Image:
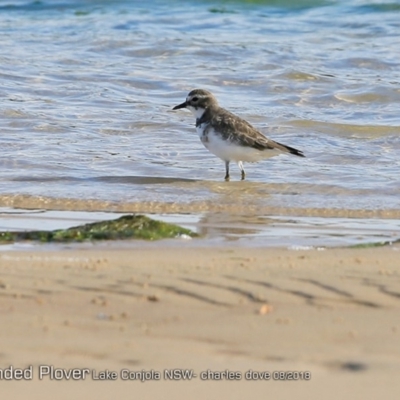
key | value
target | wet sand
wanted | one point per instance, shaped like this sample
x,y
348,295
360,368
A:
x,y
233,202
333,314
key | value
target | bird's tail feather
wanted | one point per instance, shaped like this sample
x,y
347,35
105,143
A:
x,y
291,150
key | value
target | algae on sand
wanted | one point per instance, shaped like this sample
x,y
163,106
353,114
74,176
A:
x,y
374,244
126,227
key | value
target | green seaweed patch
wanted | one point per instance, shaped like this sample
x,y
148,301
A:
x,y
126,227
374,244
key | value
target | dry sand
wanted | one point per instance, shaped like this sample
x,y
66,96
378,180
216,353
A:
x,y
332,313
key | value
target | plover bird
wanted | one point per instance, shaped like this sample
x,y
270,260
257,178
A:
x,y
228,136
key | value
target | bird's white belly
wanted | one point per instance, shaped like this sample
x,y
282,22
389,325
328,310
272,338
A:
x,y
229,151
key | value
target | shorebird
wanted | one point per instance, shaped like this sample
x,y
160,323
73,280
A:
x,y
228,136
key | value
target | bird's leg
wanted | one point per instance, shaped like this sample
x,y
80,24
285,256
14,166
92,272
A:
x,y
227,170
240,164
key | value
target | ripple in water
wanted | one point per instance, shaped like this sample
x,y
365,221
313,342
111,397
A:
x,y
87,91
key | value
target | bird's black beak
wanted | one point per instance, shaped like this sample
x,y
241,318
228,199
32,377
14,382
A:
x,y
183,105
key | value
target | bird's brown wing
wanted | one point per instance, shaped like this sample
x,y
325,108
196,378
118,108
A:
x,y
241,132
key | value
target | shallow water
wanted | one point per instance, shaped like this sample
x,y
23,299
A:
x,y
87,89
214,228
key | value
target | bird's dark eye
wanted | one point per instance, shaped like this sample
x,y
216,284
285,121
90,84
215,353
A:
x,y
195,99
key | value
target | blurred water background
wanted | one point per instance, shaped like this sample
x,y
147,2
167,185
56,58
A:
x,y
87,88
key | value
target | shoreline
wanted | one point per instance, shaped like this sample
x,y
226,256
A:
x,y
241,206
212,229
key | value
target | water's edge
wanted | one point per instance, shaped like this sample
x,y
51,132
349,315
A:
x,y
222,229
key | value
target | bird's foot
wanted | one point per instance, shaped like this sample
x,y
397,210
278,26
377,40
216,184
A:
x,y
243,176
227,177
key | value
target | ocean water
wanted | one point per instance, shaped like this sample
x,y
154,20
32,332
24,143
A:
x,y
87,90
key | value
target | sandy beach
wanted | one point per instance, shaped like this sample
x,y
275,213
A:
x,y
245,322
